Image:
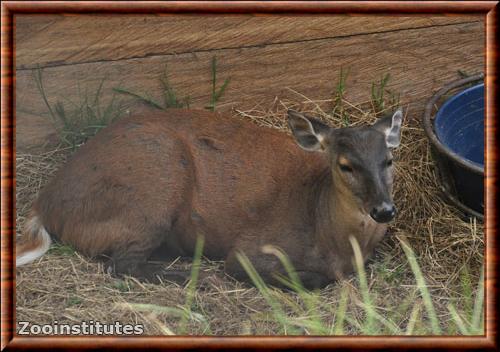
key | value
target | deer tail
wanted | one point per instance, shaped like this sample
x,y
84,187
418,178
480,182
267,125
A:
x,y
33,243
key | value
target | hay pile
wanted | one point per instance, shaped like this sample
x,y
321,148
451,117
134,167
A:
x,y
67,288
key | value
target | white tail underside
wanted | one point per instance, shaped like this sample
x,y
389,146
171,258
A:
x,y
37,231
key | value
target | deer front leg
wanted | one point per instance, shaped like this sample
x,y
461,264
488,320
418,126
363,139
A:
x,y
269,269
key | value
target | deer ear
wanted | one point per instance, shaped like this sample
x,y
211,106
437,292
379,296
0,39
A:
x,y
309,133
390,126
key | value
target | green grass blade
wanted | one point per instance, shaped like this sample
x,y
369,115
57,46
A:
x,y
276,308
410,255
413,318
310,299
97,96
338,98
214,79
216,94
191,288
458,320
341,312
107,115
37,75
144,99
221,90
369,326
467,291
169,95
169,311
477,313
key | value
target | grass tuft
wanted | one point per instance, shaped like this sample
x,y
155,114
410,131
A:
x,y
339,108
383,99
170,99
84,119
216,93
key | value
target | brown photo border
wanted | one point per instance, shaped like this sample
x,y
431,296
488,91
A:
x,y
10,341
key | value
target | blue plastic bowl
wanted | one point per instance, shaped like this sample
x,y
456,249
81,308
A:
x,y
459,128
459,124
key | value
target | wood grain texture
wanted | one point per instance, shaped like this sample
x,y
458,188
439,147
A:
x,y
255,7
491,173
267,343
419,60
7,214
61,40
454,343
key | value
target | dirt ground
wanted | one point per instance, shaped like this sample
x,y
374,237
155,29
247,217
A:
x,y
65,287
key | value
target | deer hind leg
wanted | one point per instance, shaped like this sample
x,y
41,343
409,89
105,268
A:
x,y
124,244
133,263
131,257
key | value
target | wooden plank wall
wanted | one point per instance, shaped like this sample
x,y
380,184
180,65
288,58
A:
x,y
263,56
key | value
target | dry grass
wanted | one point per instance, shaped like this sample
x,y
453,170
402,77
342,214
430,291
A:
x,y
65,287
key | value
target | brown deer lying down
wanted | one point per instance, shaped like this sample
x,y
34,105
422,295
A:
x,y
157,179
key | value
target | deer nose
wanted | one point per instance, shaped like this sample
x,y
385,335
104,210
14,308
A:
x,y
383,213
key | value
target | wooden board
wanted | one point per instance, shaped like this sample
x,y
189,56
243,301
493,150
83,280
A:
x,y
419,60
62,40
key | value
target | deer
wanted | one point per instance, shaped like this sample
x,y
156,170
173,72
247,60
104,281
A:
x,y
155,180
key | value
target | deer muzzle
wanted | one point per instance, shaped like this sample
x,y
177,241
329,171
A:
x,y
383,213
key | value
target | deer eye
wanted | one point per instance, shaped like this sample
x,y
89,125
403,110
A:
x,y
389,163
345,168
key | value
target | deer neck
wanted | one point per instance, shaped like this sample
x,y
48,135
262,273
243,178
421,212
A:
x,y
339,216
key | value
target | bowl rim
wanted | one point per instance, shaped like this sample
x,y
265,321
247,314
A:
x,y
446,105
429,126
